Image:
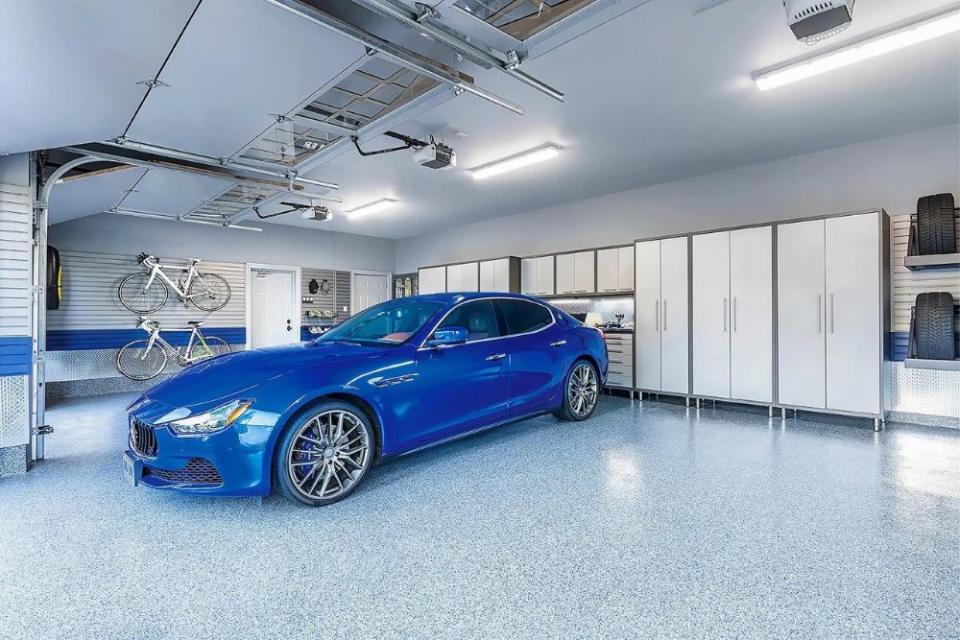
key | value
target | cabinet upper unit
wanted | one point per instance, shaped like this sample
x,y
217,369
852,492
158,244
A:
x,y
575,272
615,269
536,276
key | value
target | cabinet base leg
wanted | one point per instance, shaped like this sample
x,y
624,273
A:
x,y
876,424
770,411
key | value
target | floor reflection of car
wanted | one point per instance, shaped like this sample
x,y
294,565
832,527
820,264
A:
x,y
310,419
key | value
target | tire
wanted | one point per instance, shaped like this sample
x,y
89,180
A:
x,y
933,327
215,347
936,229
132,363
209,292
306,465
581,379
133,294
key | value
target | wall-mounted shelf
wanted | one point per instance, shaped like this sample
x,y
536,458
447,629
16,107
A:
x,y
944,261
939,365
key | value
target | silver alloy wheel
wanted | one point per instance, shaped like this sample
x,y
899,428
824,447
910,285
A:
x,y
328,455
582,390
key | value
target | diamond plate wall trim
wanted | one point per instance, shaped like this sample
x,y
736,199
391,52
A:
x,y
90,364
14,410
924,391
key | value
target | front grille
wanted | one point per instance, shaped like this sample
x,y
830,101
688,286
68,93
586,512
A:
x,y
197,471
143,439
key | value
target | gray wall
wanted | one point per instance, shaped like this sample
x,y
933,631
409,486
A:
x,y
890,173
277,244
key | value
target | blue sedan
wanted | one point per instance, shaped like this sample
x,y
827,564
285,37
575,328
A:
x,y
309,420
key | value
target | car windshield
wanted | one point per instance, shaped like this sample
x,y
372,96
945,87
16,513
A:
x,y
391,322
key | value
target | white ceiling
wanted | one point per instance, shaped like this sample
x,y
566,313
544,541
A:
x,y
69,70
656,94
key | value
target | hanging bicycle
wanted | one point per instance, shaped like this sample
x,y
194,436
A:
x,y
146,359
147,291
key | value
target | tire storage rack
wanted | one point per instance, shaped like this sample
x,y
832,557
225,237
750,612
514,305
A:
x,y
935,317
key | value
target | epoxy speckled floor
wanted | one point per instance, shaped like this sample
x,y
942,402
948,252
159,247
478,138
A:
x,y
644,522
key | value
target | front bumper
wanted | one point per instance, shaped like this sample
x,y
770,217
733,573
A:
x,y
233,462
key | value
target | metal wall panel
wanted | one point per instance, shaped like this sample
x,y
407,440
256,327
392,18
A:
x,y
917,391
89,299
14,411
344,300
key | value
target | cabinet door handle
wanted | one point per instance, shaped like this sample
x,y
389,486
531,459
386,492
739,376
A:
x,y
656,315
664,314
819,314
831,313
734,313
724,315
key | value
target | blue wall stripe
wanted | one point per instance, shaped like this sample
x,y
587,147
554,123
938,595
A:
x,y
16,355
83,339
899,345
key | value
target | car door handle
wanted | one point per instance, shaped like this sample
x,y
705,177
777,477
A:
x,y
558,343
497,356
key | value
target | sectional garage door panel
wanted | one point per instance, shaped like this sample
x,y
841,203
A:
x,y
16,233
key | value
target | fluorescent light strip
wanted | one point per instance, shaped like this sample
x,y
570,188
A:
x,y
898,38
517,161
374,207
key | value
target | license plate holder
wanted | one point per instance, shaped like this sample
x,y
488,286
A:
x,y
132,469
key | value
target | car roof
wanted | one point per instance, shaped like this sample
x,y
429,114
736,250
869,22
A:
x,y
454,297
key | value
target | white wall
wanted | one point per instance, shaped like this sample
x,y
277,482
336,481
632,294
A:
x,y
890,173
276,244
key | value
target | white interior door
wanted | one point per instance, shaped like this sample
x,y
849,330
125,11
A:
x,y
853,313
711,314
647,317
751,293
674,309
369,289
800,314
273,312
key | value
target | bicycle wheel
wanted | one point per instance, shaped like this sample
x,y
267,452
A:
x,y
137,362
209,292
135,296
214,347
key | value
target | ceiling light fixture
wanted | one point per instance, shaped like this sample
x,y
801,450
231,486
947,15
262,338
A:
x,y
374,207
914,32
517,161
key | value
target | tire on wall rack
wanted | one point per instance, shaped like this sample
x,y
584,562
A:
x,y
933,327
936,229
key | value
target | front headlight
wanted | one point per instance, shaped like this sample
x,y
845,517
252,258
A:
x,y
211,421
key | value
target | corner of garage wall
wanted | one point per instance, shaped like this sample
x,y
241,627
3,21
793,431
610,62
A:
x,y
17,193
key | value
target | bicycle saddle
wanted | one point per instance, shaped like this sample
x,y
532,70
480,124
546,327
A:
x,y
196,260
195,323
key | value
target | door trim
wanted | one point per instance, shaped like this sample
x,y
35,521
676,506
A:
x,y
249,268
388,275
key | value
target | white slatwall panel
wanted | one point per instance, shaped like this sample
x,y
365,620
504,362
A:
x,y
16,235
89,297
907,284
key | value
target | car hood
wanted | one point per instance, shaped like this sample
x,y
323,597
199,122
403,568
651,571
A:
x,y
225,377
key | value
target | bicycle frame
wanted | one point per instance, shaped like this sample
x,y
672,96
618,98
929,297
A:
x,y
182,356
157,270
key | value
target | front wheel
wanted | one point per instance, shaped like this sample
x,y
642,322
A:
x,y
138,362
136,296
324,454
209,292
581,391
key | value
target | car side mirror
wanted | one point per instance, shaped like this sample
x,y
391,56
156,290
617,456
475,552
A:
x,y
448,337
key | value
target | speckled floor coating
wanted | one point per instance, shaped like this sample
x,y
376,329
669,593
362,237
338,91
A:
x,y
647,521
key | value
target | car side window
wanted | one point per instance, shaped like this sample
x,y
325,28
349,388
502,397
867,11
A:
x,y
478,318
521,316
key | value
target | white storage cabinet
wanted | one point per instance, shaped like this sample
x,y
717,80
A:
x,y
432,279
536,276
661,286
615,269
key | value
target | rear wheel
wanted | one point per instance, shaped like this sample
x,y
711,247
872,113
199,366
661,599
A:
x,y
581,391
324,454
209,292
137,362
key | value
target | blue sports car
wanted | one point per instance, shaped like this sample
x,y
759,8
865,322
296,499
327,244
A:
x,y
311,419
